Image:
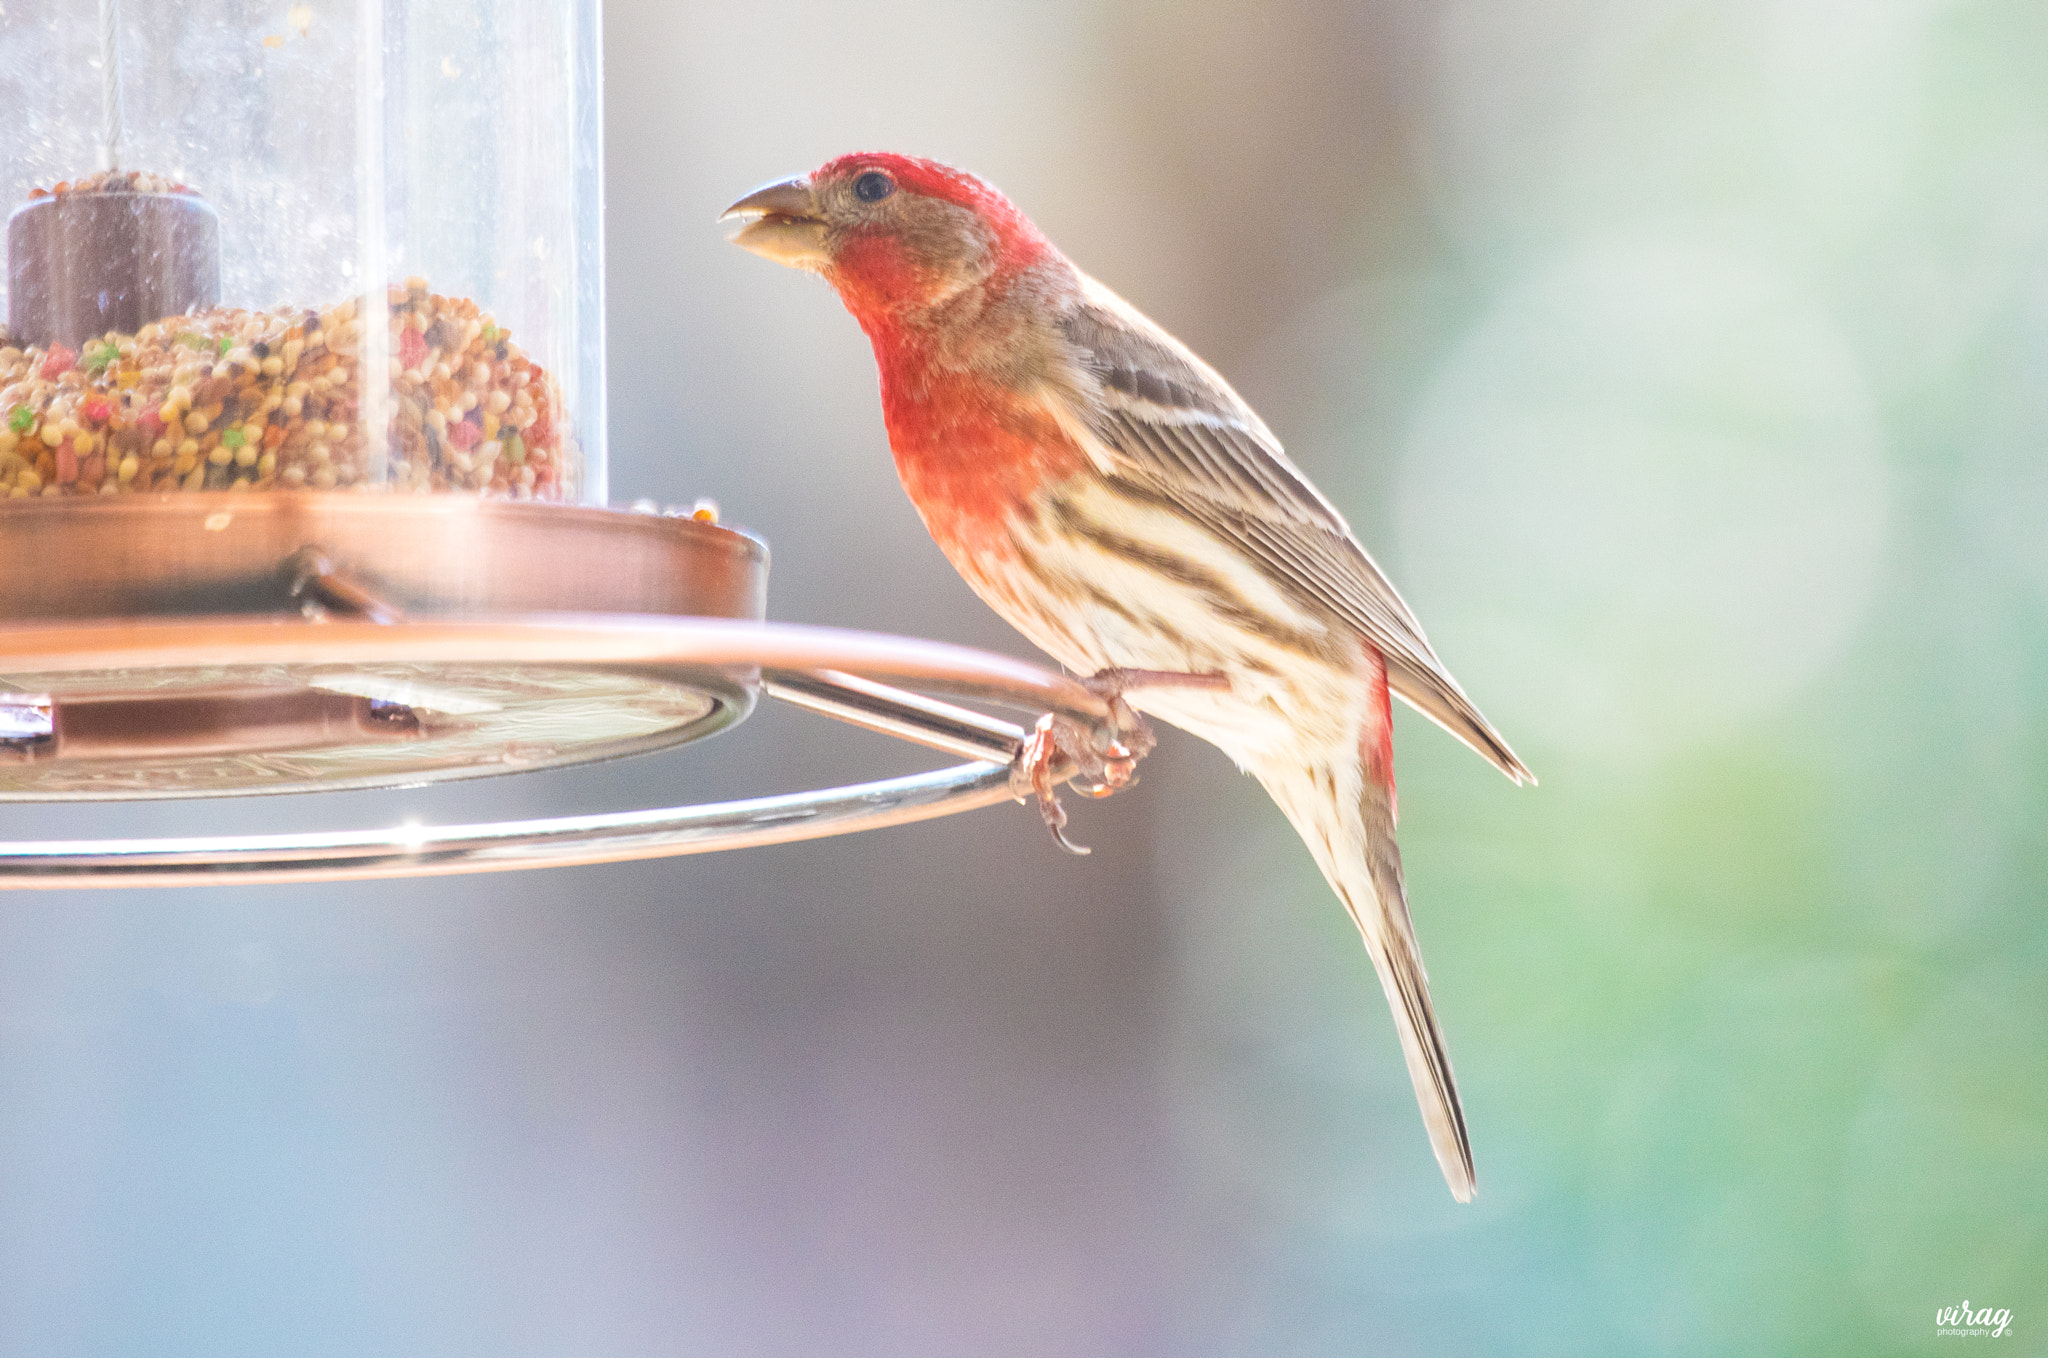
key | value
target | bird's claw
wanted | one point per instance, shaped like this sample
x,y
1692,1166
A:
x,y
1032,776
1096,761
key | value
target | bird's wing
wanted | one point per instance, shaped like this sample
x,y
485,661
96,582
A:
x,y
1169,422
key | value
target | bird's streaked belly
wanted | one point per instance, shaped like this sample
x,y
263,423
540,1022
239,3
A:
x,y
1101,580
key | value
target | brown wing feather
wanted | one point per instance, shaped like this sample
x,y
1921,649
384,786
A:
x,y
1174,426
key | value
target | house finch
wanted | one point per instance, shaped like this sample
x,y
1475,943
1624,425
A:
x,y
1108,494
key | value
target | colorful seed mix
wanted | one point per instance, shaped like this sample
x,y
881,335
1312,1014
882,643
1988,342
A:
x,y
273,400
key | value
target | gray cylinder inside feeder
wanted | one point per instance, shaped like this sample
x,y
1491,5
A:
x,y
82,264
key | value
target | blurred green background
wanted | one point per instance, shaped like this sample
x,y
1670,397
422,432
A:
x,y
1684,364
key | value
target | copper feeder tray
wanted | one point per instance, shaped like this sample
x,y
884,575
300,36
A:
x,y
89,725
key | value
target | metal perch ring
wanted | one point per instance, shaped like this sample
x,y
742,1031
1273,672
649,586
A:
x,y
831,671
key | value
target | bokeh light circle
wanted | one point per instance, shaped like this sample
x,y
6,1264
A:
x,y
1648,488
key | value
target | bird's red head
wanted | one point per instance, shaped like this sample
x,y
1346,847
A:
x,y
894,234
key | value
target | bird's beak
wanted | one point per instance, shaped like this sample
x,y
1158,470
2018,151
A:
x,y
780,221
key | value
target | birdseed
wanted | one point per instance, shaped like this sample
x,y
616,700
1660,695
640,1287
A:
x,y
229,399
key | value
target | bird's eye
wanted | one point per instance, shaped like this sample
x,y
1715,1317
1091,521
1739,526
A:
x,y
873,187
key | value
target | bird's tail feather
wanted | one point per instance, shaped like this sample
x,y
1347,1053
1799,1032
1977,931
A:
x,y
1346,816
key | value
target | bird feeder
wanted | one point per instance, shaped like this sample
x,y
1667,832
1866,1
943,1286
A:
x,y
302,457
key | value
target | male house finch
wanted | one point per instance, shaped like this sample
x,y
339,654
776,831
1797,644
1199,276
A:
x,y
1108,494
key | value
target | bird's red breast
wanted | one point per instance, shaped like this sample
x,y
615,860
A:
x,y
973,456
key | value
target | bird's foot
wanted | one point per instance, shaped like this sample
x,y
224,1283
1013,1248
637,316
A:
x,y
1097,761
1037,769
1113,684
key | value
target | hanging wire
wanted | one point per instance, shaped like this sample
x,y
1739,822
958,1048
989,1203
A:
x,y
110,81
